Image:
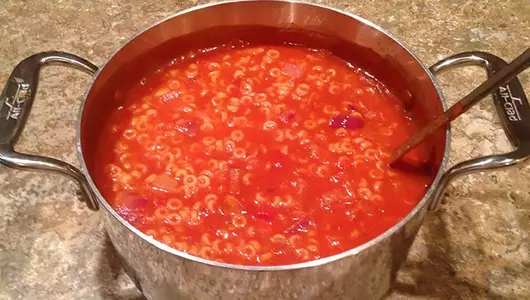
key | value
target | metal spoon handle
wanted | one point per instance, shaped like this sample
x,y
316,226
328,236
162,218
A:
x,y
518,65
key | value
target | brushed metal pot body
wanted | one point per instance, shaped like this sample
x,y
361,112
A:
x,y
160,272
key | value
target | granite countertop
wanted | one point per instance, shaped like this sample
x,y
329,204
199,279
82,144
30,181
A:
x,y
52,247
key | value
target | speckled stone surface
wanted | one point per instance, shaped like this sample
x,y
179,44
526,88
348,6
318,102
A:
x,y
51,247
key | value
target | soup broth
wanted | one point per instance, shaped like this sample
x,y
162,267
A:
x,y
258,155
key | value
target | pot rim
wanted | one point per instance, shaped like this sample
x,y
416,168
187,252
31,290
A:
x,y
314,263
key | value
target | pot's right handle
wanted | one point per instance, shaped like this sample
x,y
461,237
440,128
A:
x,y
15,105
514,112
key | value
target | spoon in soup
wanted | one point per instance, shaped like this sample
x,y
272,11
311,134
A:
x,y
499,78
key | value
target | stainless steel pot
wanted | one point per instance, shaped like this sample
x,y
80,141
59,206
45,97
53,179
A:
x,y
160,272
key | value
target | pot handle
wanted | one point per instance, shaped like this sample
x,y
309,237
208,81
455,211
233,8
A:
x,y
15,105
513,109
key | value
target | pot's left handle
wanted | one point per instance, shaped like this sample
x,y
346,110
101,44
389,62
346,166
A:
x,y
15,105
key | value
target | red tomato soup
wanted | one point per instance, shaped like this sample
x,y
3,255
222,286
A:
x,y
251,155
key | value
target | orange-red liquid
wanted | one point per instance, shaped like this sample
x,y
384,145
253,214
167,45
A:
x,y
258,156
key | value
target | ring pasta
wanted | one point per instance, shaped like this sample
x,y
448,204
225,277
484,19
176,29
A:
x,y
268,155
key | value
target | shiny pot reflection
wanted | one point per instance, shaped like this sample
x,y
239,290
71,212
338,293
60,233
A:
x,y
160,272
